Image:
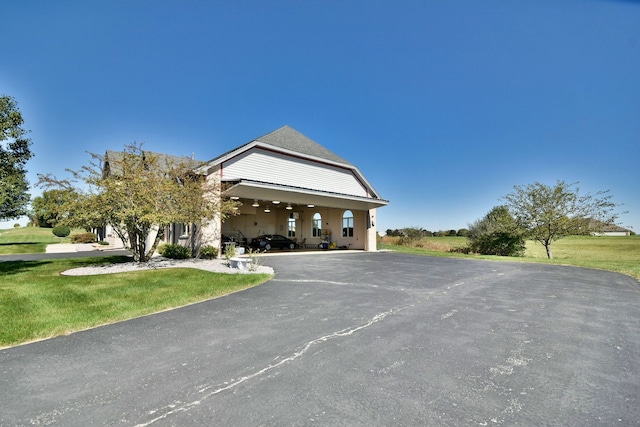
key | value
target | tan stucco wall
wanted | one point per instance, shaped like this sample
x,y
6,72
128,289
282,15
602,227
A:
x,y
254,221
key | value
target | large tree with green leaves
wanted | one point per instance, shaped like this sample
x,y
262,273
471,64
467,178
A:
x,y
139,194
549,213
14,154
49,208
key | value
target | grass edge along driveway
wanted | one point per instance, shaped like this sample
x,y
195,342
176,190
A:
x,y
36,302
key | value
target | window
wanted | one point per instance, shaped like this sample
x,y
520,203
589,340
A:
x,y
316,225
185,230
291,228
347,224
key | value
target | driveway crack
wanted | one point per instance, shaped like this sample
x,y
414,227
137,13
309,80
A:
x,y
210,391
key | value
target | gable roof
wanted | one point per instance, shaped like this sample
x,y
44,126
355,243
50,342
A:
x,y
288,140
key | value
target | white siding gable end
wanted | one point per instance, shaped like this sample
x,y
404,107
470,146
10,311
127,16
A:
x,y
262,165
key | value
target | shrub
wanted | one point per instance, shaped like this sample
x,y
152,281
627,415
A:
x,y
16,225
496,234
174,251
61,230
461,250
83,238
208,252
229,252
256,260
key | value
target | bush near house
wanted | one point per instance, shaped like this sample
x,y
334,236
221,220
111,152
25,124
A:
x,y
84,238
208,252
174,251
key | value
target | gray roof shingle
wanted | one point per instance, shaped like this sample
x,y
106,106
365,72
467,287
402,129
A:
x,y
287,138
290,139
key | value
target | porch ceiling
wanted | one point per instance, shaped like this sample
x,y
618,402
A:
x,y
262,191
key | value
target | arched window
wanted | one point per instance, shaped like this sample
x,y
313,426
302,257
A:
x,y
316,225
347,224
291,226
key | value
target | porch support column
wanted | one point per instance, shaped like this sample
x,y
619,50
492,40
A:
x,y
370,243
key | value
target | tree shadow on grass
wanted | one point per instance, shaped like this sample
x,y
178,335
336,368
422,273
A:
x,y
16,267
24,244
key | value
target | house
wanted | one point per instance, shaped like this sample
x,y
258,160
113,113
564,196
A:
x,y
112,165
613,230
599,228
289,184
285,184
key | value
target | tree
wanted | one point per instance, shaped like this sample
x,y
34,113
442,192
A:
x,y
48,209
463,232
14,154
497,233
139,196
550,213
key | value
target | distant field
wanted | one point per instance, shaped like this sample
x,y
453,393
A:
x,y
620,254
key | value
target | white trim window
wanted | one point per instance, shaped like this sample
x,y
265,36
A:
x,y
291,227
347,224
316,225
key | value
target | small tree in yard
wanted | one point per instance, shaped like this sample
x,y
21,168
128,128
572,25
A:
x,y
550,213
137,194
496,234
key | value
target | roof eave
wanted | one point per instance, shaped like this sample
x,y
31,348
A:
x,y
301,196
246,147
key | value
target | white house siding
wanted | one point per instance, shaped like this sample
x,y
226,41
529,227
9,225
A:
x,y
613,233
266,166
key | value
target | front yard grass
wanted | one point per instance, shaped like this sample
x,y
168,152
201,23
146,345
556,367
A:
x,y
28,240
37,302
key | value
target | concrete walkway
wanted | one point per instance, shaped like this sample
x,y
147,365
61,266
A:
x,y
62,248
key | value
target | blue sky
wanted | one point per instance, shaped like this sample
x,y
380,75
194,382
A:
x,y
444,106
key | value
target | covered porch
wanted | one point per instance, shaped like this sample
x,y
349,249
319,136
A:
x,y
313,219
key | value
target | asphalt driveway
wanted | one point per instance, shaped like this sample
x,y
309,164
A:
x,y
353,339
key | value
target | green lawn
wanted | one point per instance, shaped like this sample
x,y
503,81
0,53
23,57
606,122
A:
x,y
27,240
37,302
620,254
